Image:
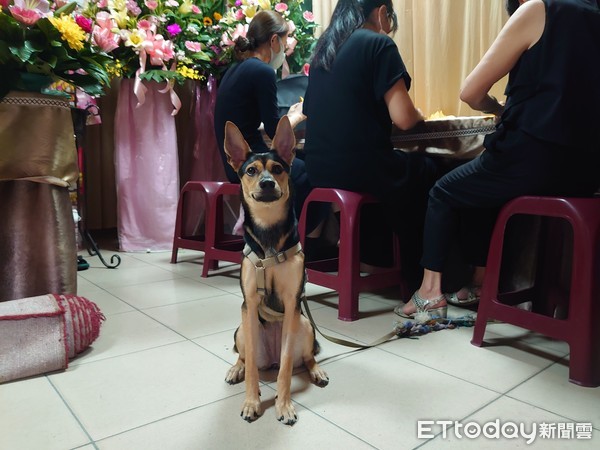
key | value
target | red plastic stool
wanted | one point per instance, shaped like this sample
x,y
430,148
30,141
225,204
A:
x,y
582,301
348,281
216,245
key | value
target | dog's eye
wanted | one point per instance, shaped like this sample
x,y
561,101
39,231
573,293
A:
x,y
251,171
276,170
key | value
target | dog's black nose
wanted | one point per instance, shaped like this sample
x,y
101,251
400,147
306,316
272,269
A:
x,y
267,184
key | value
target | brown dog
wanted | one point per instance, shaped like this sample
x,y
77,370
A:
x,y
273,332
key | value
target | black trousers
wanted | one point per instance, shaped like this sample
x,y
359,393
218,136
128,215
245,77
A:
x,y
464,203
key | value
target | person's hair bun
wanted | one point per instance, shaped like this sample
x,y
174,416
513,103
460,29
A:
x,y
243,44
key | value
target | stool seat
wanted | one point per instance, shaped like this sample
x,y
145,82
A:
x,y
580,301
343,273
216,245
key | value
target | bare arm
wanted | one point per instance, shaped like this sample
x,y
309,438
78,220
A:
x,y
400,106
521,32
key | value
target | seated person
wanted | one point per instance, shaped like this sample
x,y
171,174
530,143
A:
x,y
358,85
247,94
547,141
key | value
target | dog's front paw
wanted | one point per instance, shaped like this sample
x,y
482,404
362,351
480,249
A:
x,y
319,376
236,373
250,410
286,413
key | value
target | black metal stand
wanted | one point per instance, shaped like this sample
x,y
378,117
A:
x,y
79,124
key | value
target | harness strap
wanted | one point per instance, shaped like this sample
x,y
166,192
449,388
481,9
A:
x,y
261,264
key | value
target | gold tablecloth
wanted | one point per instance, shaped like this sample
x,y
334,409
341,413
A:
x,y
38,160
37,141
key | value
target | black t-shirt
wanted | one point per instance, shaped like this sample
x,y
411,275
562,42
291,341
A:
x,y
247,96
348,126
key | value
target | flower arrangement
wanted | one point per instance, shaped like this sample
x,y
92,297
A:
x,y
44,41
159,40
301,40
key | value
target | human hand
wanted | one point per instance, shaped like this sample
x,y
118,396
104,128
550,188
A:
x,y
295,114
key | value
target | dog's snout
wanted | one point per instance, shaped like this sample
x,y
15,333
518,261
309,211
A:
x,y
267,183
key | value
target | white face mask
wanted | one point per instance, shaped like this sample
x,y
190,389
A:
x,y
277,59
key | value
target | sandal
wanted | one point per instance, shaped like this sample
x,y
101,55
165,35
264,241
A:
x,y
472,296
424,306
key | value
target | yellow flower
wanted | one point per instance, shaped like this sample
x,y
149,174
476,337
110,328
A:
x,y
188,73
264,4
217,16
69,31
207,21
250,11
186,7
134,38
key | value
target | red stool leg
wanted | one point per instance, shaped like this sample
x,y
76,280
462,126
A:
x,y
349,258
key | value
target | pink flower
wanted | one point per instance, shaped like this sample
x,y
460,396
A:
x,y
306,69
291,26
105,39
102,3
174,29
29,12
4,3
133,8
193,46
240,30
239,14
196,10
159,49
146,25
151,4
308,16
281,7
291,45
84,23
104,20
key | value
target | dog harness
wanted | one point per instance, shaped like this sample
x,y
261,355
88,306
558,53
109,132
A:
x,y
261,264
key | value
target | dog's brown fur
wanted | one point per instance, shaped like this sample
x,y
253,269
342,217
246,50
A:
x,y
273,331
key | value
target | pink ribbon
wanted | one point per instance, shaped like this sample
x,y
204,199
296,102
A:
x,y
138,87
169,88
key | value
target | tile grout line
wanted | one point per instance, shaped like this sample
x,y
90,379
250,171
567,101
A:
x,y
91,441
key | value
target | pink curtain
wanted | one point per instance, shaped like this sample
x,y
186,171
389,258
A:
x,y
146,169
201,160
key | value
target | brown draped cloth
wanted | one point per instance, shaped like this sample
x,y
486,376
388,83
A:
x,y
38,164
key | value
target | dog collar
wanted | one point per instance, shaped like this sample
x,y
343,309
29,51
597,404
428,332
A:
x,y
261,264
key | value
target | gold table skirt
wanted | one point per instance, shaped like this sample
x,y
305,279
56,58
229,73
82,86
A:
x,y
38,160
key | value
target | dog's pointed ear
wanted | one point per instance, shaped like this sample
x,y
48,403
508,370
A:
x,y
284,141
236,147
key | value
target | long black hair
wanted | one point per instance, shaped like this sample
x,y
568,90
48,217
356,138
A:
x,y
348,16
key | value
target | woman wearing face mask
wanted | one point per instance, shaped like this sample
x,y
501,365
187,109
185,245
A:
x,y
247,94
358,86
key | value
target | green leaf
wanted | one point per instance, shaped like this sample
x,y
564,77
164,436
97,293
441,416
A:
x,y
66,9
23,52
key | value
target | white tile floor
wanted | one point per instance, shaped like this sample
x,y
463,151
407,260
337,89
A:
x,y
154,378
